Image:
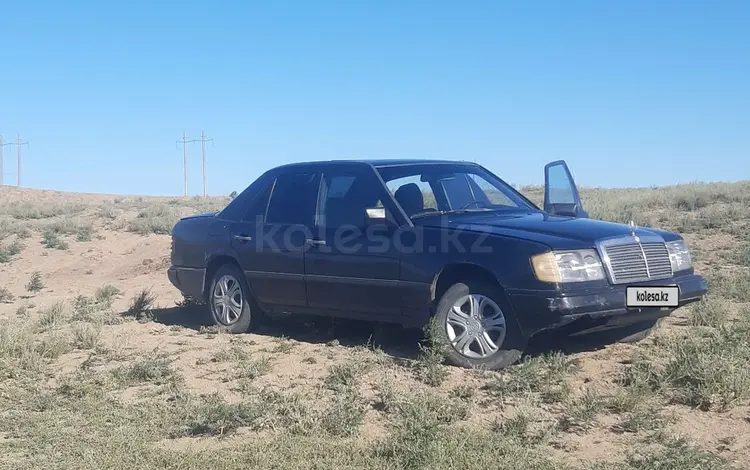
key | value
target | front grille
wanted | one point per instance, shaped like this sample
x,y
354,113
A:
x,y
638,262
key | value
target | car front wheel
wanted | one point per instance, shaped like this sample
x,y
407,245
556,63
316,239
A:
x,y
477,327
229,299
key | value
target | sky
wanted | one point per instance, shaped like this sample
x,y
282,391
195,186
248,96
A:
x,y
629,93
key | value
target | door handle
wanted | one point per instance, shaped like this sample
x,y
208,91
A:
x,y
242,238
316,242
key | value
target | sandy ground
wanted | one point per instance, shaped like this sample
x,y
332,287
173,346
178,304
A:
x,y
302,356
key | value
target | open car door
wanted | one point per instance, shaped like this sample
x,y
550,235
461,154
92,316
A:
x,y
560,191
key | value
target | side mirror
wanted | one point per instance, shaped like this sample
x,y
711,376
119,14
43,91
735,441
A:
x,y
568,210
375,216
560,191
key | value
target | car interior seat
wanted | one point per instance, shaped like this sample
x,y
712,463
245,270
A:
x,y
409,196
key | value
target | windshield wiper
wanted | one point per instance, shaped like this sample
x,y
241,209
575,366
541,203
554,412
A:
x,y
453,211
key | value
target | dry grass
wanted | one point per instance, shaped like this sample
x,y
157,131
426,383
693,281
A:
x,y
87,386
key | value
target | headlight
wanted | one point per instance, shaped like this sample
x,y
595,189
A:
x,y
679,255
568,266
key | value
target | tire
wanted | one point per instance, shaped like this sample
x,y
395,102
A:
x,y
226,311
450,325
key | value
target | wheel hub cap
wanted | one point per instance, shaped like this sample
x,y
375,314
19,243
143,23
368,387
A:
x,y
227,300
475,326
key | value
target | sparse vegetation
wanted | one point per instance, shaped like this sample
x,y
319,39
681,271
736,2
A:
x,y
8,252
155,220
526,427
582,411
283,346
66,370
96,308
212,416
86,336
708,312
544,375
702,369
734,285
51,239
84,233
344,376
6,296
429,368
154,367
54,316
141,305
35,283
253,368
234,353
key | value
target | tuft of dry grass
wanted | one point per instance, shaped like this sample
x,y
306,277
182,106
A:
x,y
35,283
155,219
53,317
51,239
154,367
705,369
6,296
709,311
429,367
545,376
141,305
8,252
86,336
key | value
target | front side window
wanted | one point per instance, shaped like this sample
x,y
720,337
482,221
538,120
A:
x,y
293,199
427,195
256,206
422,189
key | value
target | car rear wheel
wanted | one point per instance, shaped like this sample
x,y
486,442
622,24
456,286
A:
x,y
477,327
229,299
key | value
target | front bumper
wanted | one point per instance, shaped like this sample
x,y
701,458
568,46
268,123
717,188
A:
x,y
189,281
599,308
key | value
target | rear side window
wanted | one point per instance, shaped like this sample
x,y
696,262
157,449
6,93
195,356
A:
x,y
293,199
344,197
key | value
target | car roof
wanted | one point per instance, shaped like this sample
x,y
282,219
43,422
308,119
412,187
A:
x,y
377,163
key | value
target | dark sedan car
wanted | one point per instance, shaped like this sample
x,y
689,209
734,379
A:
x,y
405,241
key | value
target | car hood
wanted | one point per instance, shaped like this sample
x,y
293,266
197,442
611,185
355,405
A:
x,y
202,215
539,226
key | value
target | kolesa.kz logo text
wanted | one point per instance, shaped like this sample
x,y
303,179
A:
x,y
662,296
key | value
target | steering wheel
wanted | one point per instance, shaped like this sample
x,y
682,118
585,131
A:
x,y
466,206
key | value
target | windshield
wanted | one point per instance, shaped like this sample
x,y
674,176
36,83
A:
x,y
440,188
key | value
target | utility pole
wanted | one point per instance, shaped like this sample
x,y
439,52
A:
x,y
203,146
18,147
2,146
203,141
203,153
18,143
184,159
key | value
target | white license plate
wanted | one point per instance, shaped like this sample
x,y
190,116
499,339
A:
x,y
652,296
